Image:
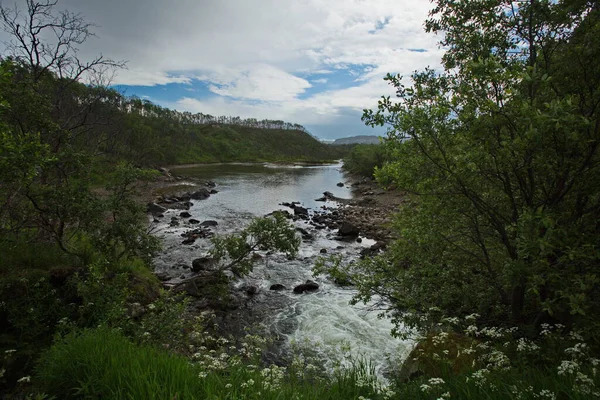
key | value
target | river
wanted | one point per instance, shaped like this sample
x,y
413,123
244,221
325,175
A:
x,y
323,320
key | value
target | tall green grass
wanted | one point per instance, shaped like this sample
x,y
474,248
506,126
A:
x,y
102,363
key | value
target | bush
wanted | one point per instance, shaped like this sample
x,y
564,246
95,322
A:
x,y
364,159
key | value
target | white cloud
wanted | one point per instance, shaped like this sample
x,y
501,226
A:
x,y
260,56
258,82
147,78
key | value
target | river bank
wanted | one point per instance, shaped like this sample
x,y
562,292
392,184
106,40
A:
x,y
370,208
348,222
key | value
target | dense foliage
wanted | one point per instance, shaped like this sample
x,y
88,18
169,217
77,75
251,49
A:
x,y
365,159
499,153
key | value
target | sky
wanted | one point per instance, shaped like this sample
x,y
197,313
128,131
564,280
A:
x,y
318,63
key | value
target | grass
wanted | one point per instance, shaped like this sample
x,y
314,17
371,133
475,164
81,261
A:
x,y
102,363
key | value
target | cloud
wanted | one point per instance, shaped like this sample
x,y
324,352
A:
x,y
147,78
258,82
262,57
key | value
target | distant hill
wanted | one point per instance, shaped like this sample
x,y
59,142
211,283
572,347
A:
x,y
225,143
363,139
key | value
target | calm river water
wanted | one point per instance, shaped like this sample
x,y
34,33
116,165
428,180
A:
x,y
323,320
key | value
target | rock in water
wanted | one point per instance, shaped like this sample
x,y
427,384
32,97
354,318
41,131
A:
x,y
209,223
348,229
202,264
277,286
308,286
154,208
201,194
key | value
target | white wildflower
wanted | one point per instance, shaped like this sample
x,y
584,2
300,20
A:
x,y
425,388
567,367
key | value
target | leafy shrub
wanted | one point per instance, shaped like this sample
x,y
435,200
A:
x,y
364,159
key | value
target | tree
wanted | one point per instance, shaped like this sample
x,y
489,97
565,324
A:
x,y
48,109
502,169
47,42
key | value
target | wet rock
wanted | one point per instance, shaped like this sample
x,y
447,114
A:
x,y
188,241
201,194
302,231
308,286
358,240
323,251
185,214
203,264
210,184
214,191
277,286
340,184
193,221
208,223
300,211
162,276
250,290
154,208
348,229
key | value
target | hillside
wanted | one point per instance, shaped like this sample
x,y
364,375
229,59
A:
x,y
222,143
362,139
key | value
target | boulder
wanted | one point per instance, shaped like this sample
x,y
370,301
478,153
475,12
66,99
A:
x,y
201,194
302,231
308,286
340,184
208,223
323,251
185,214
277,286
189,240
251,290
193,221
299,210
203,264
162,276
348,229
154,208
